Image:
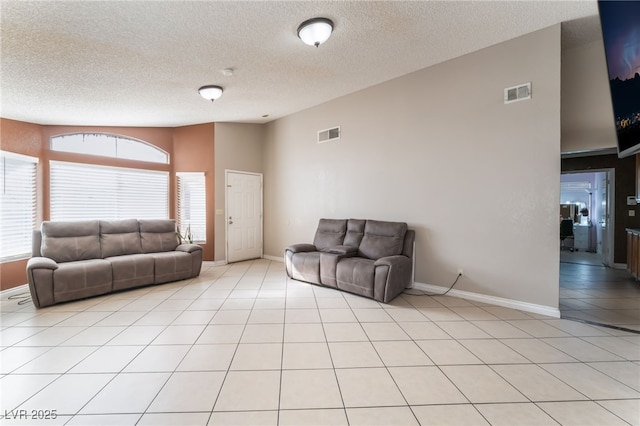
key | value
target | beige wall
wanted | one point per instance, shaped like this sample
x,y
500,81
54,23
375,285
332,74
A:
x,y
238,147
587,115
477,179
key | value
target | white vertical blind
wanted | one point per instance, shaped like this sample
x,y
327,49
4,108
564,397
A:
x,y
18,202
192,205
86,191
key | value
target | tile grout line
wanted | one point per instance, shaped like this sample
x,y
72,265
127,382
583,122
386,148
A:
x,y
608,348
228,370
333,366
130,361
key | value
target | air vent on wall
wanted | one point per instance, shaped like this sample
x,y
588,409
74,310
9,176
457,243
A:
x,y
517,93
329,135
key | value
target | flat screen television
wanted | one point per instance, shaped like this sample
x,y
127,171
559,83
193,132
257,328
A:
x,y
620,21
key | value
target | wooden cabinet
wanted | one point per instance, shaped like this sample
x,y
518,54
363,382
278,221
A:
x,y
637,175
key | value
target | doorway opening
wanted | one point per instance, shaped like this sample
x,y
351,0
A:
x,y
586,200
593,289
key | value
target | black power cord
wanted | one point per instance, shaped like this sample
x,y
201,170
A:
x,y
22,298
422,293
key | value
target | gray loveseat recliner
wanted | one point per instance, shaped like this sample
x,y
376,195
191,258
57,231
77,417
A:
x,y
74,260
367,257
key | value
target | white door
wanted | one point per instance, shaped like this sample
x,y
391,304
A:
x,y
244,215
604,225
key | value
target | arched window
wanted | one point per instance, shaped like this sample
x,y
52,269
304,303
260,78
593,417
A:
x,y
107,145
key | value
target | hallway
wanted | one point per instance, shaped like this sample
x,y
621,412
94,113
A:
x,y
591,292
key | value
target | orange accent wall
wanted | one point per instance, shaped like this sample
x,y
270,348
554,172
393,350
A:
x,y
13,274
190,148
20,137
193,151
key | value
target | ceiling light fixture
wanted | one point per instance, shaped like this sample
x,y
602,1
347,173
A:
x,y
210,93
315,31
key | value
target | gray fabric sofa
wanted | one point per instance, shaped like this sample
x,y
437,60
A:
x,y
75,260
366,257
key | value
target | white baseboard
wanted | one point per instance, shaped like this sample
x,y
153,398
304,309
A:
x,y
492,300
274,258
224,262
24,288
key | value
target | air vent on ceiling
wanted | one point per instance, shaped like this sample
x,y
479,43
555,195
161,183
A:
x,y
517,93
329,135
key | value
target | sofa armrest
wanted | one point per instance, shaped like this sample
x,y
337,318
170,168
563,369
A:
x,y
291,251
301,248
188,248
41,263
343,250
196,252
40,272
393,275
391,261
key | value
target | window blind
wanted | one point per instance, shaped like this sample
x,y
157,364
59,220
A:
x,y
18,205
86,191
192,205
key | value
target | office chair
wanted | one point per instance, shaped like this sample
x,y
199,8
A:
x,y
566,231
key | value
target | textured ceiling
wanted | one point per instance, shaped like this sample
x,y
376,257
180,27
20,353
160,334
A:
x,y
140,63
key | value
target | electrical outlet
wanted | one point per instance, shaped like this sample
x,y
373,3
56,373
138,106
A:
x,y
460,271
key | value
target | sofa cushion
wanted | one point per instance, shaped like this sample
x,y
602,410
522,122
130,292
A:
x,y
382,239
119,237
158,235
84,278
356,275
330,233
132,270
355,232
71,241
171,266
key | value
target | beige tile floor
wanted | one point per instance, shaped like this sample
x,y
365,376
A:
x,y
241,344
591,292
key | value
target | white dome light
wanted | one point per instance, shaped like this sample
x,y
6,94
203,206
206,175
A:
x,y
315,31
210,93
